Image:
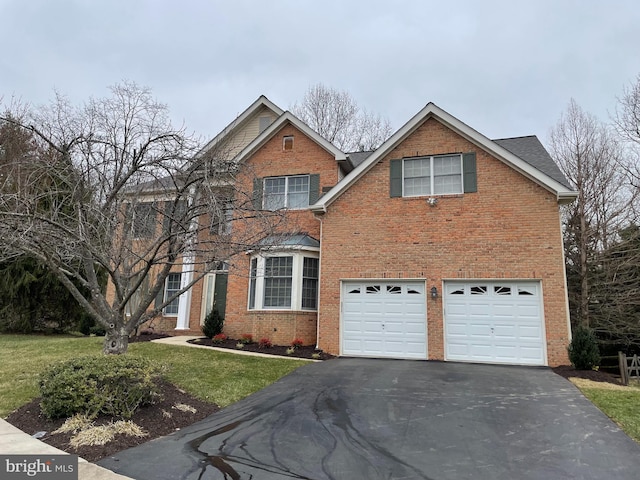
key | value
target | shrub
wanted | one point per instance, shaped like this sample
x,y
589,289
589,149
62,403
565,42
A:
x,y
246,338
583,349
219,338
98,331
213,324
291,351
264,343
239,345
296,342
114,385
86,323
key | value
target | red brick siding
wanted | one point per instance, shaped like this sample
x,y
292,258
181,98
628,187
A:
x,y
307,157
509,229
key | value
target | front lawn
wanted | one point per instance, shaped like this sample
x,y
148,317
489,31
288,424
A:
x,y
221,378
620,403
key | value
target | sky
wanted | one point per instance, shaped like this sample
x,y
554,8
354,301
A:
x,y
506,68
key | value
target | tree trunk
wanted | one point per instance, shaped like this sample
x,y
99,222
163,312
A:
x,y
116,341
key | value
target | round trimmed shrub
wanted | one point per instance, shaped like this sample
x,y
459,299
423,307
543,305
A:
x,y
114,385
583,349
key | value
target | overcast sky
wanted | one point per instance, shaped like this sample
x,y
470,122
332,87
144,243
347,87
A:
x,y
505,67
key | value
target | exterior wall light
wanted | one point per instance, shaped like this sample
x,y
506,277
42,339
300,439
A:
x,y
434,292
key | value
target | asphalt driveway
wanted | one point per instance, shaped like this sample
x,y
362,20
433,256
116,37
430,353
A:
x,y
395,419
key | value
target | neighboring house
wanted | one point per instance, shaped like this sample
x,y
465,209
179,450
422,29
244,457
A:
x,y
441,244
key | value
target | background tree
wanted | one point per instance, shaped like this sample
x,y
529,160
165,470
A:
x,y
336,116
616,296
589,156
112,188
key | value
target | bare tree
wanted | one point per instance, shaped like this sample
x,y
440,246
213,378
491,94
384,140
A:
x,y
627,116
627,123
336,116
589,156
112,189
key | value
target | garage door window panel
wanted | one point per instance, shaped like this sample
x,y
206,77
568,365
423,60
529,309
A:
x,y
478,290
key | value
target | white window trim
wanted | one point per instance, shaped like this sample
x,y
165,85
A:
x,y
147,218
286,191
165,296
432,176
296,280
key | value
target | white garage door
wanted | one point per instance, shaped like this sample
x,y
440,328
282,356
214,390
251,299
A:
x,y
494,322
384,319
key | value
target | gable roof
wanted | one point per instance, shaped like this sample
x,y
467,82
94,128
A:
x,y
563,192
240,120
278,124
533,152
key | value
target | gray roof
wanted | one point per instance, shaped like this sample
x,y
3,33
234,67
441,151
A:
x,y
533,152
290,240
358,157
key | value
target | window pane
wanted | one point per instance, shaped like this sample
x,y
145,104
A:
x,y
277,281
310,283
274,193
144,220
417,186
252,283
172,285
417,179
447,176
298,192
419,167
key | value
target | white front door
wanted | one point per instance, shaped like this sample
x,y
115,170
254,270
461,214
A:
x,y
384,319
494,322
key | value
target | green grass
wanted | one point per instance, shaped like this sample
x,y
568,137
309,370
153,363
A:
x,y
621,405
216,377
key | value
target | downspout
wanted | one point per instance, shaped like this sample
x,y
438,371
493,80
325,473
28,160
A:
x,y
564,276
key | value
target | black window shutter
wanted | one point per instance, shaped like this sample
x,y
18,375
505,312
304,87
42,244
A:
x,y
395,176
159,298
166,217
469,169
314,188
257,193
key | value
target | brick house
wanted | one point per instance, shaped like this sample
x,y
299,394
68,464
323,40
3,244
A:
x,y
441,244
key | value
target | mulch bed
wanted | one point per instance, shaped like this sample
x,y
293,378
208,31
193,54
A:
x,y
278,350
567,371
152,419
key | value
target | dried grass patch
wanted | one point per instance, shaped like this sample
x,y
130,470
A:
x,y
184,408
74,424
103,434
584,383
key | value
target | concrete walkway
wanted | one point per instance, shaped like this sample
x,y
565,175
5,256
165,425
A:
x,y
15,442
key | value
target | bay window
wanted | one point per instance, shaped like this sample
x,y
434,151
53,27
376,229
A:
x,y
284,281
